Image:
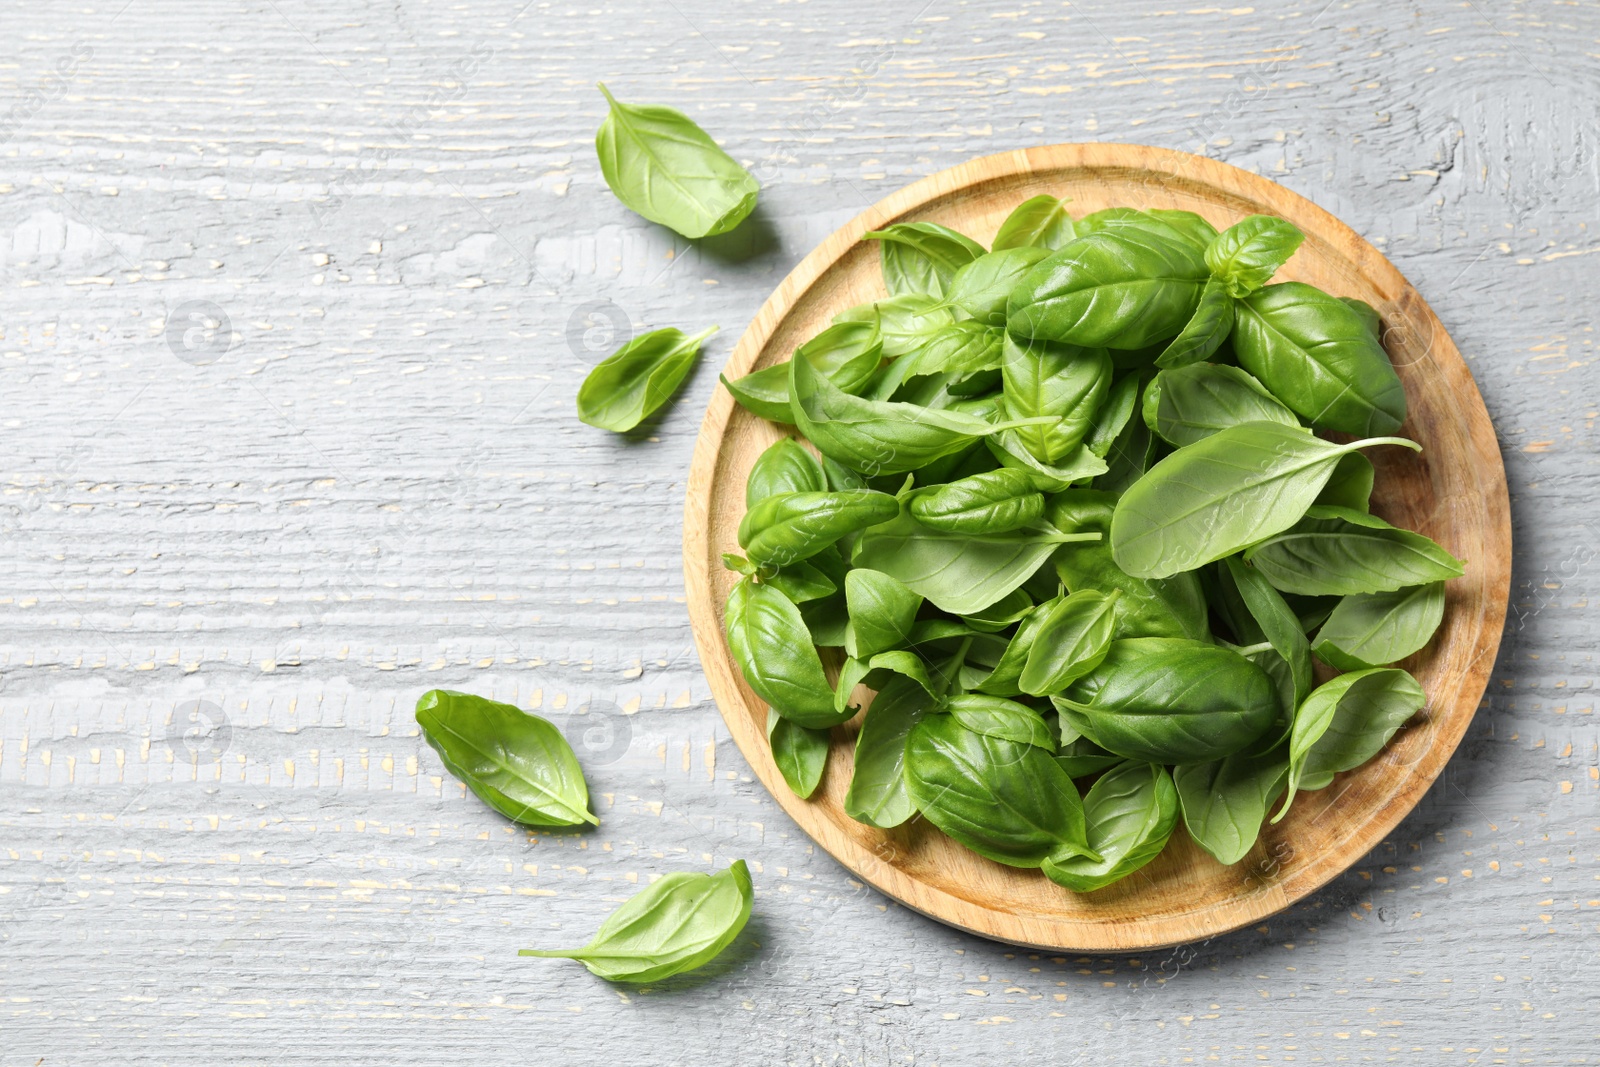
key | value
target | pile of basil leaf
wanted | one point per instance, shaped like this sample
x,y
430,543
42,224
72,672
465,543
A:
x,y
1073,522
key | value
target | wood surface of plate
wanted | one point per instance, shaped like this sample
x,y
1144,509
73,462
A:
x,y
1455,492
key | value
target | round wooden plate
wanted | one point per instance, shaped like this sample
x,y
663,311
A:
x,y
1455,492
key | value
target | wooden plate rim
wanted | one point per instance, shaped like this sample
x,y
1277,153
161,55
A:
x,y
996,922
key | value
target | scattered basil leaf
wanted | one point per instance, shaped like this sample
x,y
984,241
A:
x,y
1247,254
628,386
800,752
680,922
666,168
1344,723
514,761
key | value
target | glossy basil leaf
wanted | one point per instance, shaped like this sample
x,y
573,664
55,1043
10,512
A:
x,y
1225,801
773,647
1061,381
922,258
1374,629
1006,719
882,612
1114,413
785,467
1336,551
1133,451
628,386
666,168
848,353
1351,484
1223,493
1187,404
1005,674
1195,229
1070,642
981,287
1079,465
1277,623
961,354
1081,757
1205,331
996,501
879,437
1346,722
1315,353
959,573
1002,614
1170,701
878,795
790,527
514,761
800,582
1006,800
800,752
1038,222
1130,812
905,323
1247,254
1368,313
1117,289
1161,607
680,922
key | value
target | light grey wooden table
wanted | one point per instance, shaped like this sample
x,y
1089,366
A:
x,y
294,303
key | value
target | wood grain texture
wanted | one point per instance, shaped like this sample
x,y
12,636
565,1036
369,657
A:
x,y
1455,492
381,485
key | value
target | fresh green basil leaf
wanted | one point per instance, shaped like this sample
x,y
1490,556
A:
x,y
1351,484
879,437
1277,623
679,923
1071,641
980,288
1130,812
1003,613
1315,353
1346,722
1187,404
790,527
1005,674
1247,254
1223,493
1061,381
628,386
1161,607
996,501
959,573
514,761
1225,801
962,355
801,582
882,612
1126,288
877,795
1205,331
1078,466
1195,229
1375,629
1038,222
666,168
905,323
848,353
922,258
800,752
1170,701
1006,800
1081,757
1336,551
1114,414
996,717
785,467
771,644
